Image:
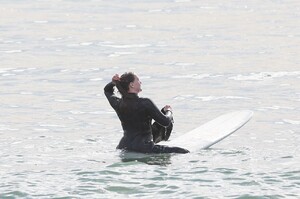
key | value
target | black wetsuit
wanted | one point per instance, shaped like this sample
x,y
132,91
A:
x,y
136,115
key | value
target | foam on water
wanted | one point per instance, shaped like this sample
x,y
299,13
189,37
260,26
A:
x,y
291,121
265,75
209,98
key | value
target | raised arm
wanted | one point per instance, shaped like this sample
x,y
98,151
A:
x,y
110,95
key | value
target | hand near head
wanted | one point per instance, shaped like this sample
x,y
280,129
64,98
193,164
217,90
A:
x,y
115,78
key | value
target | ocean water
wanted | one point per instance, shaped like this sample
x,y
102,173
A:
x,y
205,58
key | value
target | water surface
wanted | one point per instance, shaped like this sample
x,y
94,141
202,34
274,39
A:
x,y
58,133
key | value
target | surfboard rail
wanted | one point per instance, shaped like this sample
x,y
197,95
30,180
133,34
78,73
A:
x,y
213,131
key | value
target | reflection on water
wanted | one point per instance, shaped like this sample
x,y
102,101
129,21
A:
x,y
151,159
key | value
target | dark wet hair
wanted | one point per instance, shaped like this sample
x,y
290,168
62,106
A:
x,y
125,80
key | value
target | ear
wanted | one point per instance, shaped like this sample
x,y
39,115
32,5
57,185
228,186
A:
x,y
131,84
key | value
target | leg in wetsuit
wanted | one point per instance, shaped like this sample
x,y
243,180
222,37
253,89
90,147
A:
x,y
167,149
163,133
159,132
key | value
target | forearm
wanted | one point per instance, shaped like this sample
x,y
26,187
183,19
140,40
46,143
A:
x,y
110,95
109,88
163,117
169,114
167,111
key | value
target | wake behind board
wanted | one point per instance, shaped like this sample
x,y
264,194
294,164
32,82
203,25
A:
x,y
212,132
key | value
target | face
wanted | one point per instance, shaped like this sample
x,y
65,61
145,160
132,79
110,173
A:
x,y
135,86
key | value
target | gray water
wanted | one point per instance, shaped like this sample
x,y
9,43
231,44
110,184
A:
x,y
205,58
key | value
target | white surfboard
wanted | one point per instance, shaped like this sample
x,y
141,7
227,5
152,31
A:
x,y
211,132
202,137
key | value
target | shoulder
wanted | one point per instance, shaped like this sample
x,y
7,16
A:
x,y
146,101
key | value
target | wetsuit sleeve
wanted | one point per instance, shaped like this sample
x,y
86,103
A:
x,y
157,115
110,95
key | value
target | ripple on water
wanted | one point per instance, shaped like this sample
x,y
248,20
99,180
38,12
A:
x,y
264,75
192,76
12,51
125,46
293,176
54,120
14,194
288,121
209,98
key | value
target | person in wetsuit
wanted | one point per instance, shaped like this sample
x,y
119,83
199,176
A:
x,y
136,115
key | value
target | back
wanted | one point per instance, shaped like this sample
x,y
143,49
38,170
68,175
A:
x,y
134,116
